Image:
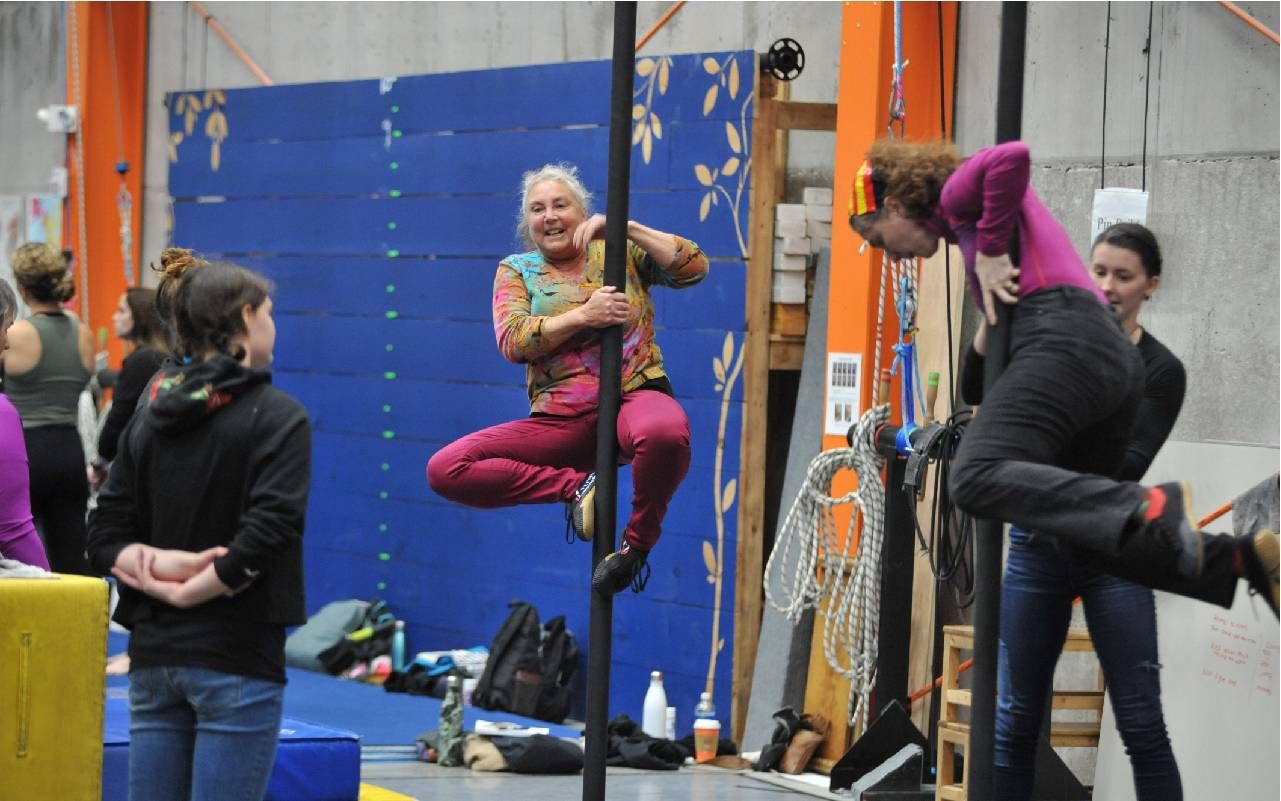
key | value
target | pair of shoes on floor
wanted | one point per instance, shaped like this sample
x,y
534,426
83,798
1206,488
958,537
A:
x,y
580,513
625,567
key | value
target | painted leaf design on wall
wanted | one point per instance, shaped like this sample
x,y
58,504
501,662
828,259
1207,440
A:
x,y
653,73
709,561
709,100
216,130
731,135
175,139
727,497
737,162
189,106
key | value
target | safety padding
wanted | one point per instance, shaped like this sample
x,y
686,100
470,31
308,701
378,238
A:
x,y
53,651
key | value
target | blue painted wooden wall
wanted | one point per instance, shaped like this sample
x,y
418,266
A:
x,y
380,209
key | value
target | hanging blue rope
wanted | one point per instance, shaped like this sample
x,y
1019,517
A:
x,y
905,356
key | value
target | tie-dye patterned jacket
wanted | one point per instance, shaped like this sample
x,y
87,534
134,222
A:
x,y
565,380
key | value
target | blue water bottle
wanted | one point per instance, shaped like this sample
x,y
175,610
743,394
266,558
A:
x,y
398,647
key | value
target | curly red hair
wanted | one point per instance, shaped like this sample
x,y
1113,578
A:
x,y
913,172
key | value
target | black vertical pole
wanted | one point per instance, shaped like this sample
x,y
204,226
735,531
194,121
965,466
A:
x,y
611,359
988,544
897,548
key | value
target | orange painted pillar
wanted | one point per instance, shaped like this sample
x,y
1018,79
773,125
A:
x,y
866,67
107,80
867,56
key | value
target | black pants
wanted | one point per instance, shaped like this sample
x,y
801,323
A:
x,y
1055,426
59,493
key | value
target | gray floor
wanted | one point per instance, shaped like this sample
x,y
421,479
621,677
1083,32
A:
x,y
426,782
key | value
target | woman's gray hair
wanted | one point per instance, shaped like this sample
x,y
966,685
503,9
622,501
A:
x,y
8,303
564,172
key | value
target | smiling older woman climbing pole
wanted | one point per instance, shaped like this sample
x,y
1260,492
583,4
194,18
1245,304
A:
x,y
549,306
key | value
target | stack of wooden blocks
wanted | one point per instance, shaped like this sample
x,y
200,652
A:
x,y
800,231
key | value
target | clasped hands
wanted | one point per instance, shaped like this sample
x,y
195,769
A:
x,y
179,578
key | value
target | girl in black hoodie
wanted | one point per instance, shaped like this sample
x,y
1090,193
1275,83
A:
x,y
201,520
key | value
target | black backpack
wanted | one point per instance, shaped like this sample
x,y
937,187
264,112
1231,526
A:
x,y
529,667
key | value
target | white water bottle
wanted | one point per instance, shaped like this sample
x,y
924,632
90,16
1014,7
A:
x,y
654,719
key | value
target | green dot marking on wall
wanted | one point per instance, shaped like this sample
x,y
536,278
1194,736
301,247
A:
x,y
384,556
390,347
390,375
392,314
395,165
391,254
391,288
391,226
397,134
389,435
386,407
385,467
382,496
382,585
395,109
394,193
382,527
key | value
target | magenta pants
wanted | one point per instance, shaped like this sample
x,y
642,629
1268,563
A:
x,y
545,459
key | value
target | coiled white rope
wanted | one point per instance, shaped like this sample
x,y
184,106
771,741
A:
x,y
847,599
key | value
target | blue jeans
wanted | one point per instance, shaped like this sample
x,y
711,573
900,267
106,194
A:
x,y
201,735
1041,580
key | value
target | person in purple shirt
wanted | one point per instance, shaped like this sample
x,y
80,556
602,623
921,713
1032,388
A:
x,y
18,537
1057,423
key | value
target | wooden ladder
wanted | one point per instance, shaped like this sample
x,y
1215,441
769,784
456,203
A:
x,y
954,733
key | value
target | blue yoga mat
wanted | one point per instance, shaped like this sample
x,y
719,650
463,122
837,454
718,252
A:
x,y
313,763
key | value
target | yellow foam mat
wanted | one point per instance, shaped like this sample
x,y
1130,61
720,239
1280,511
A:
x,y
369,792
53,651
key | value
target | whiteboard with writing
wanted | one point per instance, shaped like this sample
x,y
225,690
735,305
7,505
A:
x,y
1219,667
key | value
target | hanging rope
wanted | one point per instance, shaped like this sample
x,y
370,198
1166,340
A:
x,y
124,199
83,255
849,606
898,103
1107,49
1147,95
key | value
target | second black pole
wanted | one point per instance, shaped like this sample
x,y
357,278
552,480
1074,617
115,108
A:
x,y
611,358
991,533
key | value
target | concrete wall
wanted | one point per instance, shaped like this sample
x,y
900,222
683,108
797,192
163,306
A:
x,y
33,74
1212,171
304,42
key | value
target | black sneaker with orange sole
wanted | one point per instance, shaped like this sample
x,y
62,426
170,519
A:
x,y
1169,533
625,567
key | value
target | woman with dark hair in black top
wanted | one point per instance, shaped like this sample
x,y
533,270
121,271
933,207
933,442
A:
x,y
137,323
1044,575
201,520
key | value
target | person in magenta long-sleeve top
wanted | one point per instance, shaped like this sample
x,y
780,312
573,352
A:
x,y
18,537
1057,423
549,305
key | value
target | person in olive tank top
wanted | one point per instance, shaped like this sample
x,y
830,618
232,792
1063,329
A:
x,y
46,367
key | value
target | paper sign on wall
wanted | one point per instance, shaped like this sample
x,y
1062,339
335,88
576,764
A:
x,y
844,382
1117,205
